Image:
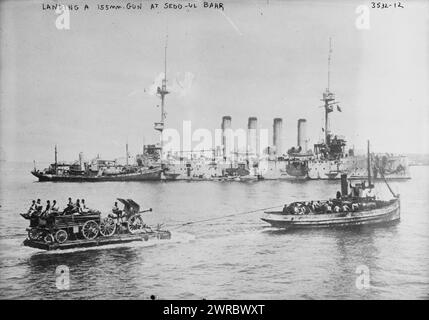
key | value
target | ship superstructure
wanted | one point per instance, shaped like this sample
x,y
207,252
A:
x,y
328,159
331,159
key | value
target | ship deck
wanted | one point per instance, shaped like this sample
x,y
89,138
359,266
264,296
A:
x,y
100,241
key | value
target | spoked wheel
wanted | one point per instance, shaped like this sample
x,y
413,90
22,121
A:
x,y
61,236
135,224
48,238
107,227
90,230
34,234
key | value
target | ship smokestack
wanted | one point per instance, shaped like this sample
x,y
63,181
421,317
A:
x,y
344,185
252,136
126,154
226,124
277,136
81,163
302,134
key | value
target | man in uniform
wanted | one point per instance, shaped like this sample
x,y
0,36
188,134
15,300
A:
x,y
39,208
83,208
116,211
69,207
32,208
47,211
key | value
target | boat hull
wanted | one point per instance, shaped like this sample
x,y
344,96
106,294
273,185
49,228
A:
x,y
97,242
395,168
150,175
382,215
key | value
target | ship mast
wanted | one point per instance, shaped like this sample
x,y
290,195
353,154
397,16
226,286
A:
x,y
159,126
329,62
126,154
369,165
56,160
328,97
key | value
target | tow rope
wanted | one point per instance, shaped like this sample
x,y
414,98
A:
x,y
223,217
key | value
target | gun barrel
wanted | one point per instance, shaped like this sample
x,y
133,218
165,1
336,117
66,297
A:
x,y
146,210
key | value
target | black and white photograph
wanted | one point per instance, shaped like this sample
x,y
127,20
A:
x,y
214,150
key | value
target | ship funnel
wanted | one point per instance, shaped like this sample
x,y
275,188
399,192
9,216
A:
x,y
81,163
277,136
252,136
127,155
226,125
302,134
344,185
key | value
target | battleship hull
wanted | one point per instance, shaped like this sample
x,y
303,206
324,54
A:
x,y
385,214
147,175
283,170
394,168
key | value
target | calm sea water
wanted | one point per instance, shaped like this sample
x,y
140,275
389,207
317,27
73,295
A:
x,y
238,257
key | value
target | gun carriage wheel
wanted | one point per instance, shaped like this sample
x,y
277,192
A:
x,y
61,236
135,224
90,230
49,238
107,227
34,234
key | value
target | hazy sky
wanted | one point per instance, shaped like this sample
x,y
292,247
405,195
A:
x,y
89,88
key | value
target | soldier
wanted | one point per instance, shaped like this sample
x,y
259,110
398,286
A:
x,y
77,208
327,208
285,209
116,211
83,208
47,209
115,208
39,208
69,207
55,207
32,208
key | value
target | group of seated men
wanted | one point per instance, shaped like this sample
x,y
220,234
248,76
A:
x,y
36,208
331,206
318,207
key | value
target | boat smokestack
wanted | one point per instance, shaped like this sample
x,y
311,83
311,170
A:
x,y
56,160
252,136
127,155
226,124
302,134
81,163
277,136
344,185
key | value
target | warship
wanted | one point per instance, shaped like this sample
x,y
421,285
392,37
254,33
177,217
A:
x,y
327,160
330,158
96,170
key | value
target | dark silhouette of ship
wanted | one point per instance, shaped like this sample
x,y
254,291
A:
x,y
97,170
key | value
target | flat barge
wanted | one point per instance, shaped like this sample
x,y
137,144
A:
x,y
100,241
69,230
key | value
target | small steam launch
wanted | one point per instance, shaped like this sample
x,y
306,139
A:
x,y
359,207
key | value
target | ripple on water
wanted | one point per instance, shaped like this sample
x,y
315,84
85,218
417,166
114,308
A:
x,y
237,257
